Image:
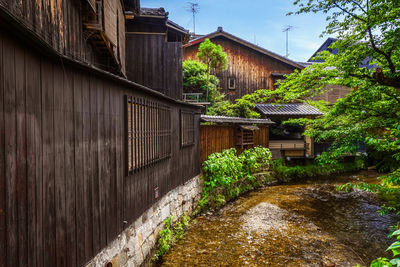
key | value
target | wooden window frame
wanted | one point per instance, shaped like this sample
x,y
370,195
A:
x,y
148,133
229,83
245,137
186,123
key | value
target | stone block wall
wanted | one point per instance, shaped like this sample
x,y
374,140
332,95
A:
x,y
136,243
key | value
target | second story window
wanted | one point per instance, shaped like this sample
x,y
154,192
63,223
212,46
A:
x,y
232,83
148,132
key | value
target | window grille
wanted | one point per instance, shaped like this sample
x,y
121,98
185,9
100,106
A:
x,y
187,128
148,132
245,135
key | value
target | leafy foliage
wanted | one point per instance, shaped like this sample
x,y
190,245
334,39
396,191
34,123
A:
x,y
195,79
367,61
287,173
243,107
172,233
214,57
226,176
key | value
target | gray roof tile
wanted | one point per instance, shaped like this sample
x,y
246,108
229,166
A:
x,y
288,109
224,119
145,11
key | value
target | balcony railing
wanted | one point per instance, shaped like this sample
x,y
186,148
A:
x,y
287,144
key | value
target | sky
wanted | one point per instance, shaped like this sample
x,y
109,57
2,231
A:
x,y
257,21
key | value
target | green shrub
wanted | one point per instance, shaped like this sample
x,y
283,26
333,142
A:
x,y
226,176
171,234
287,173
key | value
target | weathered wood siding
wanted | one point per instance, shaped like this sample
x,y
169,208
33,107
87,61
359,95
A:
x,y
60,24
251,69
215,138
155,63
64,192
333,92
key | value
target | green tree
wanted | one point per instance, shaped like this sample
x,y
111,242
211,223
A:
x,y
367,60
195,79
214,57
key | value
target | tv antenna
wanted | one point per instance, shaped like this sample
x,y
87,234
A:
x,y
287,29
194,8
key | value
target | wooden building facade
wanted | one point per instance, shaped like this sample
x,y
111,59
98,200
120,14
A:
x,y
83,152
250,67
218,133
151,35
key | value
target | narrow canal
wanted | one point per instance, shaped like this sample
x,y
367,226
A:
x,y
302,224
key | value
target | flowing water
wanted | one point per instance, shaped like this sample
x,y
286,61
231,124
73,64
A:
x,y
302,224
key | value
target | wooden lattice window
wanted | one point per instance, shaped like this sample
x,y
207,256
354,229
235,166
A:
x,y
148,132
245,135
187,128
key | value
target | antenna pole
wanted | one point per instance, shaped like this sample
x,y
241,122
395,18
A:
x,y
194,9
287,29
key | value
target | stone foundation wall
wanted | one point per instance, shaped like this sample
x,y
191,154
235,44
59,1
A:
x,y
133,245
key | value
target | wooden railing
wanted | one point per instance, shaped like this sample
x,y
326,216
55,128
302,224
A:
x,y
287,144
192,97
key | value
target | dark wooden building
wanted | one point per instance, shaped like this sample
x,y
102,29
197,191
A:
x,y
83,151
154,51
250,67
219,133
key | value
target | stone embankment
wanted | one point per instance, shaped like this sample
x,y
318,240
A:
x,y
136,243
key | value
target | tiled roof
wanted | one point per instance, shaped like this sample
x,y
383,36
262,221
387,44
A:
x,y
224,119
288,109
145,11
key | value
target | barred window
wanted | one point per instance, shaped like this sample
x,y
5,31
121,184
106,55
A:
x,y
245,135
187,128
148,126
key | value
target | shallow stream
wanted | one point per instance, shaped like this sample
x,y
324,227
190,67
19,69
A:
x,y
301,224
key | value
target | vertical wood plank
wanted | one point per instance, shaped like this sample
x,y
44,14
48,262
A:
x,y
101,162
94,153
78,136
33,134
60,179
69,170
87,189
107,164
10,153
113,161
21,156
48,163
3,236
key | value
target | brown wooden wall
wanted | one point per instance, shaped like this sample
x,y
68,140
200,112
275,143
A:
x,y
155,63
251,69
60,23
215,138
333,92
64,194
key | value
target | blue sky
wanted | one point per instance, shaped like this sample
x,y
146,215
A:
x,y
257,21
